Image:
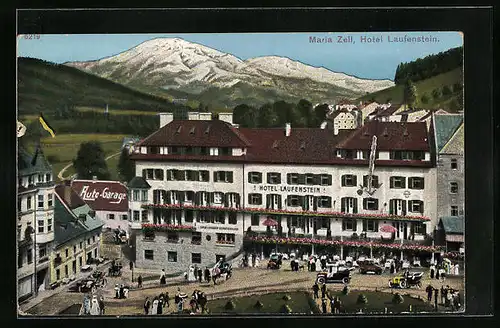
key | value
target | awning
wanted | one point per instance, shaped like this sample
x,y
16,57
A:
x,y
269,222
387,228
455,238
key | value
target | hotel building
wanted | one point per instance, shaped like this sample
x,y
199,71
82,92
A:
x,y
204,186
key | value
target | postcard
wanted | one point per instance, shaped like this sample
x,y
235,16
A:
x,y
240,174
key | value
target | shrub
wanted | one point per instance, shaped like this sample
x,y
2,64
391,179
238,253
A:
x,y
285,309
397,299
436,93
286,298
229,305
362,299
345,290
258,305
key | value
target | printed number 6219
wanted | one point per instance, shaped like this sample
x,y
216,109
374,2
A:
x,y
31,36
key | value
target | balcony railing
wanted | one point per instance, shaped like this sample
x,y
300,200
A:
x,y
43,259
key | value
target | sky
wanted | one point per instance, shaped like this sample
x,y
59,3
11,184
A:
x,y
365,60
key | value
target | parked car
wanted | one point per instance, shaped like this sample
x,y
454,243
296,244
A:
x,y
274,261
335,274
407,281
369,266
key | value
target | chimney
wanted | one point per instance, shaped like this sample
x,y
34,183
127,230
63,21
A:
x,y
288,129
94,177
226,117
67,192
205,116
323,125
165,118
193,116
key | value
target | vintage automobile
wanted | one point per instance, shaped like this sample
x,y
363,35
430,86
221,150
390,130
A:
x,y
334,274
369,266
115,270
407,280
84,286
274,261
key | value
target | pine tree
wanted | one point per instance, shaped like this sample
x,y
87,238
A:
x,y
126,167
90,161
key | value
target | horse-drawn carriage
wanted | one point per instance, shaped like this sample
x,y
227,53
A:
x,y
407,280
275,261
115,270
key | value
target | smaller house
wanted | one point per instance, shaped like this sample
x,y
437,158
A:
x,y
450,232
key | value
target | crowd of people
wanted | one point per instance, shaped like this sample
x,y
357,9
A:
x,y
450,297
93,305
160,304
335,302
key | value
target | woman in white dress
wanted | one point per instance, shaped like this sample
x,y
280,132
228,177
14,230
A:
x,y
191,276
154,308
456,270
94,308
318,265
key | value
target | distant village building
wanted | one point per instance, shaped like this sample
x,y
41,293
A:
x,y
450,233
385,113
204,186
366,109
344,119
77,235
109,199
35,222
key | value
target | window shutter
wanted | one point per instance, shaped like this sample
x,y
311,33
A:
x,y
144,173
169,197
329,179
342,204
422,179
288,178
355,180
250,177
365,181
422,207
268,177
237,200
302,179
162,174
410,183
404,206
391,182
302,201
226,199
317,179
355,207
329,202
215,177
196,175
365,203
365,223
376,204
250,199
279,177
230,176
355,225
403,182
375,225
316,199
343,181
210,198
280,202
375,181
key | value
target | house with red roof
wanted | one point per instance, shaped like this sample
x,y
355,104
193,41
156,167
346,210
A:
x,y
109,199
203,186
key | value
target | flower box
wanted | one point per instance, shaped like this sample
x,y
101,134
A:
x,y
166,227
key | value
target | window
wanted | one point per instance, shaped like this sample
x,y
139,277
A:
x,y
370,225
93,239
172,237
179,175
40,178
19,204
48,177
349,180
30,180
255,218
58,274
40,201
325,180
419,228
88,241
144,195
370,204
254,177
144,215
397,182
217,197
40,226
170,175
81,245
349,205
42,252
28,203
232,218
325,201
136,195
149,254
225,238
192,175
66,271
309,179
196,258
189,216
196,238
397,206
204,150
158,174
172,256
453,187
255,199
225,151
221,217
454,164
292,178
274,178
416,206
74,249
50,201
223,176
111,216
66,252
374,181
136,215
454,210
124,217
349,225
149,174
49,225
149,235
204,176
293,200
407,155
416,183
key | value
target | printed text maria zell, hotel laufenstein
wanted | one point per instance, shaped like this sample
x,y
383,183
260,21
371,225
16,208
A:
x,y
372,38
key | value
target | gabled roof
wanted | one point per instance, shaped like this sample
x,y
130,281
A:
x,y
445,126
456,143
138,183
102,195
30,164
453,224
342,111
194,133
385,111
74,200
390,136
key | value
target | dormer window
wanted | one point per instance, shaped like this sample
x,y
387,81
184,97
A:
x,y
179,129
303,145
207,130
225,151
192,130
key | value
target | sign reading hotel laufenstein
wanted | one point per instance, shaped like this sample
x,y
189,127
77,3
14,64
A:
x,y
290,189
92,195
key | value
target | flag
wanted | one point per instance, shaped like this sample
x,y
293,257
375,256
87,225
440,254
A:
x,y
46,126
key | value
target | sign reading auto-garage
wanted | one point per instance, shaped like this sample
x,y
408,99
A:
x,y
102,195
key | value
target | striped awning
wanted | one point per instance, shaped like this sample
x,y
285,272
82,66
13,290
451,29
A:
x,y
455,238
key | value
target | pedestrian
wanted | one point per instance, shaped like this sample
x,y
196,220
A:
x,y
323,291
254,258
429,292
332,304
313,266
147,305
154,308
139,281
101,304
323,305
207,275
193,305
443,275
393,268
449,298
436,291
167,299
159,310
179,300
163,279
309,265
316,290
94,307
437,274
200,274
86,304
117,291
433,270
443,295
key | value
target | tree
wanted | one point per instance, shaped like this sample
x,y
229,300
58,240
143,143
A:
x,y
436,93
90,161
320,113
305,109
446,90
126,167
424,99
268,117
246,116
409,93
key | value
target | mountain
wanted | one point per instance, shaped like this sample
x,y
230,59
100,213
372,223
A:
x,y
208,75
45,86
